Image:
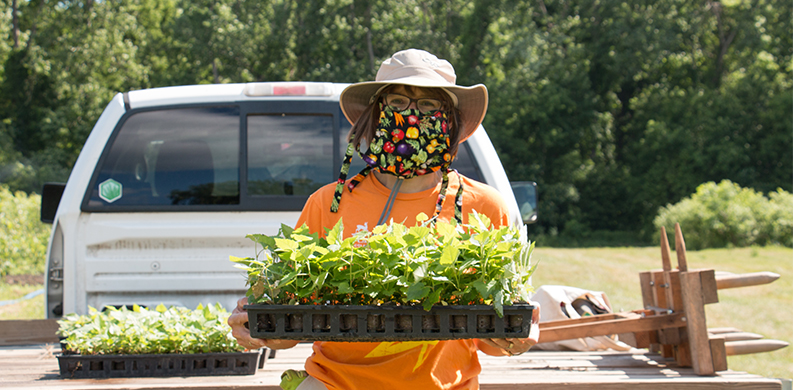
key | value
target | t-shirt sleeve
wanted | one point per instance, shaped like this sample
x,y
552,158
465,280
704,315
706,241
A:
x,y
311,215
488,201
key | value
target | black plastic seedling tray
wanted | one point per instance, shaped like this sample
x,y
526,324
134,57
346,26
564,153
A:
x,y
166,365
386,323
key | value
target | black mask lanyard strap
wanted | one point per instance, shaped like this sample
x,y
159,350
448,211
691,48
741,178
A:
x,y
390,202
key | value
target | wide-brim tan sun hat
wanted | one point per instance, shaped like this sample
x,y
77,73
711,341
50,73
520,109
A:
x,y
420,69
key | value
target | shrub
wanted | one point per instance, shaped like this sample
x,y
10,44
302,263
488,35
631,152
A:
x,y
23,237
724,215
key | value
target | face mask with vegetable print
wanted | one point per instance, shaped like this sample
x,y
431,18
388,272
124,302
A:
x,y
409,143
406,144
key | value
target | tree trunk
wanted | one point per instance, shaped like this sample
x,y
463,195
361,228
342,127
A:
x,y
15,23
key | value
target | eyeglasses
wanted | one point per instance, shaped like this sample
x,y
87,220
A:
x,y
402,102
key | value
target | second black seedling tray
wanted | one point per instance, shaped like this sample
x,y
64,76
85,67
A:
x,y
386,323
166,365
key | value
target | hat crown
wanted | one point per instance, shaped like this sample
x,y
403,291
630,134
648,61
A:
x,y
416,63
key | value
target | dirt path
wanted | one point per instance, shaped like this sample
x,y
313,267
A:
x,y
23,279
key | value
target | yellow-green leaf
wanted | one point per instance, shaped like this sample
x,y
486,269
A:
x,y
285,244
450,252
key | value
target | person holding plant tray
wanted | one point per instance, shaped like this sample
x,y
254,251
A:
x,y
407,126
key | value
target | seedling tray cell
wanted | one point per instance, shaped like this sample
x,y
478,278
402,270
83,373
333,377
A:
x,y
386,323
165,365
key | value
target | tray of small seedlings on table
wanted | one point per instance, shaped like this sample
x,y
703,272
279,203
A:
x,y
159,342
432,281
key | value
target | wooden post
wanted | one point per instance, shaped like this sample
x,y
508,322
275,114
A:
x,y
680,249
683,350
668,337
696,326
666,261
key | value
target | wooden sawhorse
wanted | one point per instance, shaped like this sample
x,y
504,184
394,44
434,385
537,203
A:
x,y
673,320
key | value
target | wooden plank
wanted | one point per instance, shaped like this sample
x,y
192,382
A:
x,y
533,370
675,303
744,280
646,286
746,347
659,289
719,353
27,332
683,352
633,323
738,336
638,339
721,330
584,320
648,301
710,291
675,297
696,326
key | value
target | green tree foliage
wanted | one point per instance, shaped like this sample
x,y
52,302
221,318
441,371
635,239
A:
x,y
615,108
726,215
23,238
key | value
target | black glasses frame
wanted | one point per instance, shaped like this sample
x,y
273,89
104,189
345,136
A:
x,y
411,100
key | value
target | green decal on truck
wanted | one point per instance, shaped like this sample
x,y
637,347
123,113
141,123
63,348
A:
x,y
110,190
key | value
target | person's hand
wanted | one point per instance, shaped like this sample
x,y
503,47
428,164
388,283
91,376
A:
x,y
238,321
514,346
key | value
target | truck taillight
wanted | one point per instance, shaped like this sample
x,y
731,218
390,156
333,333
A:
x,y
54,276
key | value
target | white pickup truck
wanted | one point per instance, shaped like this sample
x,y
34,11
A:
x,y
171,180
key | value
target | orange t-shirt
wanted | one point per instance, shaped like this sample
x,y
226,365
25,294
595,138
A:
x,y
451,364
362,207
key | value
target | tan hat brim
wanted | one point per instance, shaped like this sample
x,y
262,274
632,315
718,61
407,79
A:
x,y
472,101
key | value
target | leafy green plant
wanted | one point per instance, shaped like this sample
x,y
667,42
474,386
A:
x,y
143,331
427,264
23,238
727,215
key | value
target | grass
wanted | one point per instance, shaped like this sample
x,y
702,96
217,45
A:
x,y
29,309
760,309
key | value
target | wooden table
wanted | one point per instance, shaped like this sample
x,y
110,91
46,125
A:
x,y
32,367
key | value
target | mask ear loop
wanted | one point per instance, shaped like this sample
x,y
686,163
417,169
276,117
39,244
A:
x,y
345,169
458,198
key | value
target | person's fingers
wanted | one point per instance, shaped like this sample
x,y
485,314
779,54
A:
x,y
241,304
238,321
499,343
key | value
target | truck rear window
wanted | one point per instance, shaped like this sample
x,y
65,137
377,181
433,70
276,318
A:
x,y
172,157
289,154
191,158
